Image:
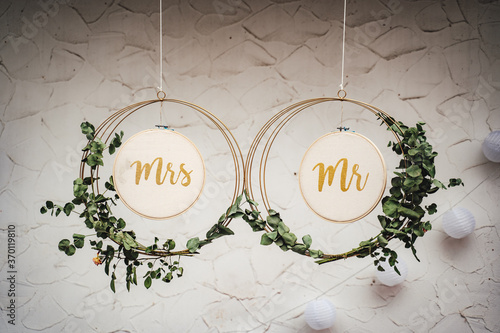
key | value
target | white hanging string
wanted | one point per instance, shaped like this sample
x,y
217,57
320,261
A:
x,y
161,94
343,47
161,47
339,94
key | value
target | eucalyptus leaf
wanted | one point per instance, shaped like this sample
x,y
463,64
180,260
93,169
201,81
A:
x,y
94,160
79,188
438,184
88,129
63,244
120,224
285,247
289,238
237,214
455,182
92,208
282,228
238,200
222,218
418,231
97,146
252,202
390,207
170,244
395,231
147,282
396,182
70,250
299,248
223,230
273,235
413,152
130,254
112,285
408,213
315,253
432,208
68,208
129,240
307,240
427,226
383,221
273,221
78,240
366,243
193,244
266,240
233,209
382,241
430,168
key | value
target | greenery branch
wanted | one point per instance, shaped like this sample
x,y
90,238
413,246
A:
x,y
404,211
113,243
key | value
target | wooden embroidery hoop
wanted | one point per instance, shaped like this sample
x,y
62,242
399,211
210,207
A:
x,y
375,201
123,194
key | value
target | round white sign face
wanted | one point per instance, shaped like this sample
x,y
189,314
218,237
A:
x,y
342,176
159,174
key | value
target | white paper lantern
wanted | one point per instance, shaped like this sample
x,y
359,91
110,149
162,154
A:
x,y
458,222
320,314
491,146
389,276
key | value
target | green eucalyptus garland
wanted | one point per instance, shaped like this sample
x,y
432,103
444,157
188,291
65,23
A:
x,y
403,219
404,210
113,243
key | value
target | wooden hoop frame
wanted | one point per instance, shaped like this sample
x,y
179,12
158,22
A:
x,y
174,215
380,194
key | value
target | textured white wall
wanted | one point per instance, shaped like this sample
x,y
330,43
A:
x,y
75,60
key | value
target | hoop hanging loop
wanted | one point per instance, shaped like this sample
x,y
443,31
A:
x,y
341,93
161,95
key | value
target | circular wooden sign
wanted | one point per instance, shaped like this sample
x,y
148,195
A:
x,y
159,174
342,176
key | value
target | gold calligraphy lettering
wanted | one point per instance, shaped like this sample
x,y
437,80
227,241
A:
x,y
330,170
187,176
146,169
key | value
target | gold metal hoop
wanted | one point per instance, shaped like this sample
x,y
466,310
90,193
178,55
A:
x,y
109,126
276,124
